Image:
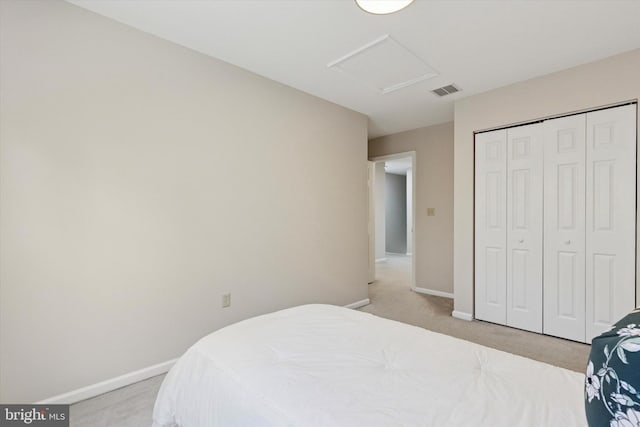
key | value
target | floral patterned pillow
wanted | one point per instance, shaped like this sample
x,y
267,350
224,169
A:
x,y
612,383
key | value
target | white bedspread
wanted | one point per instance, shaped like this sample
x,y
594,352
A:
x,y
321,365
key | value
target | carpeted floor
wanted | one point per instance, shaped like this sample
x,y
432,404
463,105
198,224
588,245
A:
x,y
390,297
129,406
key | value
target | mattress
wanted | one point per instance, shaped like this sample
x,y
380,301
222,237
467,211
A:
x,y
322,365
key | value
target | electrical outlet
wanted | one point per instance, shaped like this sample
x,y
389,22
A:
x,y
226,300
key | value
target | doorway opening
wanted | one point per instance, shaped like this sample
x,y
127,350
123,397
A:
x,y
392,246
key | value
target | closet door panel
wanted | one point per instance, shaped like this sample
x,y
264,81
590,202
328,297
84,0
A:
x,y
524,227
610,217
564,227
490,226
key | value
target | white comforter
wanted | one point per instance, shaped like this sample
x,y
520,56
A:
x,y
321,365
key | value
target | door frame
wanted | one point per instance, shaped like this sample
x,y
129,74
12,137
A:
x,y
371,227
414,250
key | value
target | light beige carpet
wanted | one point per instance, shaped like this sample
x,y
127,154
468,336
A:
x,y
129,406
392,298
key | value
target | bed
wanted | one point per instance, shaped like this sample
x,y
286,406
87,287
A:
x,y
322,365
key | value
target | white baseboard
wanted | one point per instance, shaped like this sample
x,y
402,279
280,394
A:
x,y
461,315
109,385
130,378
381,259
358,304
434,293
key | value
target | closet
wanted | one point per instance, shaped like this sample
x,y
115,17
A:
x,y
555,223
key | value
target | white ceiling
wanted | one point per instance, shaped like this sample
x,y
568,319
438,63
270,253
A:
x,y
479,45
397,166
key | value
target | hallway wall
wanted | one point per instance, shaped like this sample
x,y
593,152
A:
x,y
396,213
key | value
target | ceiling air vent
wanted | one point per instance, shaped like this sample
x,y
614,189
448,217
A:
x,y
446,90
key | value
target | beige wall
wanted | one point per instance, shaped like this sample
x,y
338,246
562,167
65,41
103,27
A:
x,y
139,181
434,189
600,83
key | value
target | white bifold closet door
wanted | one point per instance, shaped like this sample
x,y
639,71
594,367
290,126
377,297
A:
x,y
491,227
590,221
509,227
610,217
555,222
564,227
524,227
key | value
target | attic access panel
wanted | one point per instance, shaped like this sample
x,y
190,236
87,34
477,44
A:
x,y
385,65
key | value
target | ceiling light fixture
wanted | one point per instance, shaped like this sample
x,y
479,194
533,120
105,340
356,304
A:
x,y
382,7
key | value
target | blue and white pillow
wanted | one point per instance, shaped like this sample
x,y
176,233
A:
x,y
612,382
